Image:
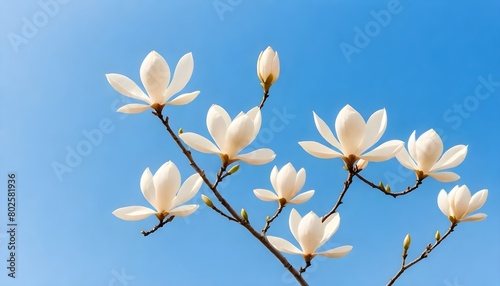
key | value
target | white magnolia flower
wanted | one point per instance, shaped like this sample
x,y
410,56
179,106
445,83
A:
x,y
311,234
425,158
155,76
458,204
286,183
355,136
231,136
163,193
268,67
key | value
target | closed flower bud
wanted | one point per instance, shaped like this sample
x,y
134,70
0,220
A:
x,y
268,68
180,131
407,242
387,189
438,235
381,185
244,214
234,169
207,201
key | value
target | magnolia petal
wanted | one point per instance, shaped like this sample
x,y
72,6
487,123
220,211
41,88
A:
x,y
460,202
274,177
404,159
148,187
350,127
332,223
336,252
258,157
319,150
444,203
276,67
182,75
286,181
184,210
167,181
445,177
133,213
310,232
293,223
199,143
188,190
155,75
218,121
412,146
300,180
133,108
184,98
451,158
375,128
429,148
283,245
477,201
127,87
325,131
265,195
474,217
302,198
238,135
256,116
384,152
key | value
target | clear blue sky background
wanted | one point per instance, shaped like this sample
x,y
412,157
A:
x,y
428,58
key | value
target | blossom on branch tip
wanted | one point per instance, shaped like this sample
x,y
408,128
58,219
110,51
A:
x,y
164,192
424,157
286,182
459,204
231,136
311,234
155,76
355,136
268,68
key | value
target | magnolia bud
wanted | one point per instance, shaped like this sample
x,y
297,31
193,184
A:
x,y
244,214
407,242
268,68
234,169
268,218
180,131
380,185
207,201
387,189
438,235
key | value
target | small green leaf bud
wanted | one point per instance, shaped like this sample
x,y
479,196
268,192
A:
x,y
207,201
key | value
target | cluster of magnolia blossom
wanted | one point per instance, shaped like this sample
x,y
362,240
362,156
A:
x,y
353,140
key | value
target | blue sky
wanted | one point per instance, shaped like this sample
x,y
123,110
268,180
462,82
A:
x,y
424,64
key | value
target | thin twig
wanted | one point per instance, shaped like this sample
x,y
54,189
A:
x,y
228,207
264,98
223,214
303,269
347,183
408,190
161,224
428,249
270,220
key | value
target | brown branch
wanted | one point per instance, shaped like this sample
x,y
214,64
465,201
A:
x,y
408,190
161,224
264,98
226,205
428,249
270,220
347,183
303,269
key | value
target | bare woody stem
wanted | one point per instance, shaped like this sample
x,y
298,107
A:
x,y
347,184
270,220
264,98
408,190
229,208
428,249
161,224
